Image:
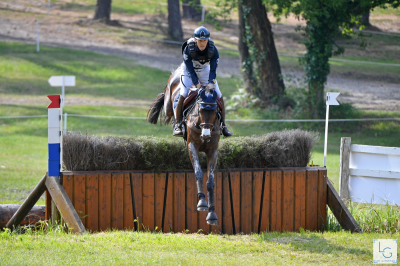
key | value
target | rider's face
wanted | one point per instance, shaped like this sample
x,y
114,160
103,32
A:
x,y
202,44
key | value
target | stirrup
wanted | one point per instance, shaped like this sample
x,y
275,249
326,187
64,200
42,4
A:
x,y
177,131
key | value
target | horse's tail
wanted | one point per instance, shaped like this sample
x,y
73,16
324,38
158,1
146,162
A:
x,y
156,107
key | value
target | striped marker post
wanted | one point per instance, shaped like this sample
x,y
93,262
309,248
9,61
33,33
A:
x,y
55,135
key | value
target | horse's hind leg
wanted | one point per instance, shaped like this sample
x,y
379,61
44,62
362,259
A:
x,y
211,162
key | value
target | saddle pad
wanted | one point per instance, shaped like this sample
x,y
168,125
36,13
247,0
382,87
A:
x,y
190,97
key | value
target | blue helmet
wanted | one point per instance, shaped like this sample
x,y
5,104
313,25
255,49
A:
x,y
201,33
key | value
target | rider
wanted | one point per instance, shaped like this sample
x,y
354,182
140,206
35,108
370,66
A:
x,y
199,68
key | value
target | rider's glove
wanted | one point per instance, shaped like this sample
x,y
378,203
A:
x,y
210,86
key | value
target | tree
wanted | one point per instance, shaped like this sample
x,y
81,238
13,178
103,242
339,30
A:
x,y
323,19
365,19
174,20
249,79
103,10
257,48
191,9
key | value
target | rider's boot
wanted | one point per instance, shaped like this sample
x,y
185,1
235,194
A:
x,y
225,130
178,117
211,217
202,205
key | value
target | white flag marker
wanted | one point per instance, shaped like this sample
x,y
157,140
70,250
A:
x,y
330,100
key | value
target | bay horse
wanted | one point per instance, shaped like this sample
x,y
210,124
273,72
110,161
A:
x,y
202,130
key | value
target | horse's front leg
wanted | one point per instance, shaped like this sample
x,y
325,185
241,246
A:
x,y
211,162
194,157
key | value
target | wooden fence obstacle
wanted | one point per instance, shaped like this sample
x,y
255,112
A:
x,y
247,201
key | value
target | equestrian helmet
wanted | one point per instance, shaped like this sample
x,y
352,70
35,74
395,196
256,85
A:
x,y
201,33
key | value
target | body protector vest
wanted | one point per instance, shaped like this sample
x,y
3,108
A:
x,y
195,55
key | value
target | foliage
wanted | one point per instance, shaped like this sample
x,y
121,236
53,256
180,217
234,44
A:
x,y
324,18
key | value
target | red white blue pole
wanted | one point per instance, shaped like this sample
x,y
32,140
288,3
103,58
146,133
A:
x,y
55,135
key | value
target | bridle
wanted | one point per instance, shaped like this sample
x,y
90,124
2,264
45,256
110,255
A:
x,y
189,110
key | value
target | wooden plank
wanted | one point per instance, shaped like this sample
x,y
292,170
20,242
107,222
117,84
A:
x,y
137,180
246,188
92,202
322,195
104,201
191,203
266,204
64,204
117,201
179,202
80,197
169,205
257,197
311,200
217,229
47,214
227,227
339,209
160,179
202,215
344,169
300,200
288,201
148,201
128,207
276,200
235,190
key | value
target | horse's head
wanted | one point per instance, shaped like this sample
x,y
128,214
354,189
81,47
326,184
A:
x,y
207,112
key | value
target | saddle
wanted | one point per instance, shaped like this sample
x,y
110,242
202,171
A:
x,y
189,100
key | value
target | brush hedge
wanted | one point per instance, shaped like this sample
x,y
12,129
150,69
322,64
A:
x,y
288,148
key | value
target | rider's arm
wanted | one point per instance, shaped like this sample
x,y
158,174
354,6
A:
x,y
189,66
213,66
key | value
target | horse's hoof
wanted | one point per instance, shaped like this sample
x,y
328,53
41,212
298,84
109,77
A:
x,y
202,205
212,218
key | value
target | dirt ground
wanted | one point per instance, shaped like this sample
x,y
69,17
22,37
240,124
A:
x,y
75,29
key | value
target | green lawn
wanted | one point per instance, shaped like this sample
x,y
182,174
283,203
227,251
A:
x,y
125,247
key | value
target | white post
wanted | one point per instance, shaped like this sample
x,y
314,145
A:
x,y
330,100
62,90
203,11
48,12
65,123
326,132
37,38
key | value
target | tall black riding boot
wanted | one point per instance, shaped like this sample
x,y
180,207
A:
x,y
225,130
178,117
202,204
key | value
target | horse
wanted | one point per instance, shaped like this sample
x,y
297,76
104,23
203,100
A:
x,y
202,130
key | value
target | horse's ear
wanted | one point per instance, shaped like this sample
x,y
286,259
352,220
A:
x,y
215,95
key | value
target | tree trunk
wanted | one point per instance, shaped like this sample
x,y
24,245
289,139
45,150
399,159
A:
x,y
365,19
174,20
191,9
267,61
247,64
103,10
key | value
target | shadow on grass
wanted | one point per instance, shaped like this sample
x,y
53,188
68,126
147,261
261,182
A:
x,y
310,242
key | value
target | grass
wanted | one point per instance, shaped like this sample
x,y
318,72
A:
x,y
25,72
145,248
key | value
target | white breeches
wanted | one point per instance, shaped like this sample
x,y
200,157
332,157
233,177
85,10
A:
x,y
202,74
